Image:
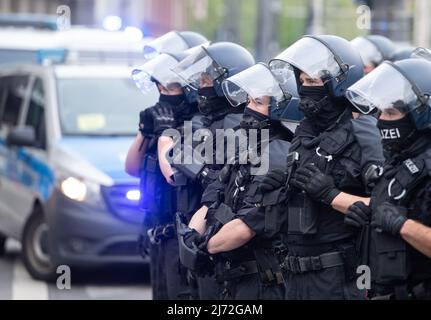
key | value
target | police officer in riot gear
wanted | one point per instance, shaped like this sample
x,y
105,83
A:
x,y
400,250
243,227
157,193
330,162
203,71
374,49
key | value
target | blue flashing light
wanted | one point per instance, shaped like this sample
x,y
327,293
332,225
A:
x,y
133,195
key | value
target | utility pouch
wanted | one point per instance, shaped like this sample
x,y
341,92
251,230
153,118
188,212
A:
x,y
391,258
303,215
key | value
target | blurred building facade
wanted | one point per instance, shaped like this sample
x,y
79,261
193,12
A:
x,y
263,26
155,17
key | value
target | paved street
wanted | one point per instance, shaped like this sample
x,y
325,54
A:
x,y
131,283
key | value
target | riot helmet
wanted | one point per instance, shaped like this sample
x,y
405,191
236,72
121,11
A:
x,y
329,58
209,66
404,85
173,42
374,49
403,54
159,71
422,53
259,85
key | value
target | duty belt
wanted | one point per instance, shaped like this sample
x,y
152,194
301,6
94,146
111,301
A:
x,y
247,268
297,265
159,233
228,273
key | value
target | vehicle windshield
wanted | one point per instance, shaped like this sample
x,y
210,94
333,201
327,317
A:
x,y
101,106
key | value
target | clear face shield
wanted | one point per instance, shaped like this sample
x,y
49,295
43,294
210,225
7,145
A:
x,y
157,69
257,83
422,53
368,51
199,70
260,85
384,89
171,42
308,55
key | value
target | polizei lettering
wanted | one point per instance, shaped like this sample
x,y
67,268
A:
x,y
390,133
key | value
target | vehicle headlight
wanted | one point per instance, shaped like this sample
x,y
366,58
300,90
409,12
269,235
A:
x,y
82,190
74,189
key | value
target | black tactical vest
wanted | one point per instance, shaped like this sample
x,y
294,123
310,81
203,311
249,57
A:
x,y
335,152
241,187
394,263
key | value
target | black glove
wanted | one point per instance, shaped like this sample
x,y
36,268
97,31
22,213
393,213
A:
x,y
358,215
318,185
389,218
163,119
192,238
273,180
146,126
204,262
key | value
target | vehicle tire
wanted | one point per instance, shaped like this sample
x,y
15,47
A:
x,y
2,245
35,248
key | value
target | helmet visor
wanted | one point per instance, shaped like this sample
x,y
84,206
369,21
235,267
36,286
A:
x,y
170,42
285,75
257,83
368,51
422,53
157,69
199,69
384,88
312,57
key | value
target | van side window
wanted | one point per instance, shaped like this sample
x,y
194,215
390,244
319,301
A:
x,y
36,113
15,88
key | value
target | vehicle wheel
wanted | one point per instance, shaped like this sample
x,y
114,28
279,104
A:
x,y
35,249
2,245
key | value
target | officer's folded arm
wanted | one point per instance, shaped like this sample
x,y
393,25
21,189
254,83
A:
x,y
232,235
343,201
417,235
134,155
164,145
198,221
321,187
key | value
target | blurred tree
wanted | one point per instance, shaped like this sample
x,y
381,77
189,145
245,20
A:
x,y
267,29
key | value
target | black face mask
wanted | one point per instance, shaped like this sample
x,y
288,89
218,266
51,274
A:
x,y
174,100
318,107
252,119
209,103
396,135
207,92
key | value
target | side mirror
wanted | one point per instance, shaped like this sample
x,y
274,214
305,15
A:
x,y
21,137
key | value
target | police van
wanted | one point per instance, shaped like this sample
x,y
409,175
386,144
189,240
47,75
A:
x,y
64,133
